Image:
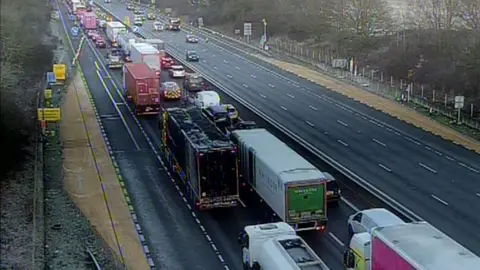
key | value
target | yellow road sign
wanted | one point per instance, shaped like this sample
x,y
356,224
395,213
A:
x,y
49,114
48,93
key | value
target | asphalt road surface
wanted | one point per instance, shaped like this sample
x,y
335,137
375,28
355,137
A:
x,y
437,180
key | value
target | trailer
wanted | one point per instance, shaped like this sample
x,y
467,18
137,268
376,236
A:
x,y
89,21
125,40
156,42
141,87
204,159
290,185
276,246
408,246
112,30
146,53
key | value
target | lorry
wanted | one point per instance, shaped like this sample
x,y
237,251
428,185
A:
x,y
112,30
174,24
156,42
78,7
89,21
292,187
276,246
125,40
141,87
146,53
408,246
204,158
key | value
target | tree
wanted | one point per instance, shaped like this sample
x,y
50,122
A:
x,y
469,13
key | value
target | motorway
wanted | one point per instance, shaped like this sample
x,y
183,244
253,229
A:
x,y
437,180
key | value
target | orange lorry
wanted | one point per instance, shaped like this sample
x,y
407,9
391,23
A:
x,y
141,87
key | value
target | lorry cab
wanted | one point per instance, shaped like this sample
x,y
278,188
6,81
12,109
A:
x,y
357,256
368,219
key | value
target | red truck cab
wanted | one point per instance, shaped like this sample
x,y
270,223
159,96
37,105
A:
x,y
166,62
141,87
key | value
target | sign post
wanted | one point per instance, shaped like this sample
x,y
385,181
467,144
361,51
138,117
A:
x,y
247,30
459,103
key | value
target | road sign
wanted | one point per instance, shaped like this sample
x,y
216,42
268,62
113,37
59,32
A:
x,y
74,31
247,29
49,114
459,102
48,93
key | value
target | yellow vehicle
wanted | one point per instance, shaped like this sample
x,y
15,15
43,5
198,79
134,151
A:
x,y
170,91
151,16
60,71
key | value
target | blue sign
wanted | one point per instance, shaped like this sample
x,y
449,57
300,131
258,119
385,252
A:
x,y
74,31
72,17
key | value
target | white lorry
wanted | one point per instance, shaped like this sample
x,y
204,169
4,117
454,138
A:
x,y
112,30
146,53
156,42
125,40
276,246
291,186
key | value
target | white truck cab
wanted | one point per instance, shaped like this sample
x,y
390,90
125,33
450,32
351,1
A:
x,y
357,257
275,246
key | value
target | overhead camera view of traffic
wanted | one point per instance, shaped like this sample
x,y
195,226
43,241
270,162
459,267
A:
x,y
161,143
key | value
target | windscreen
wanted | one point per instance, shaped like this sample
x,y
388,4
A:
x,y
196,80
306,202
170,87
152,61
218,173
177,68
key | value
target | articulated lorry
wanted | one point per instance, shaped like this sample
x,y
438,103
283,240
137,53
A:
x,y
276,246
112,30
409,246
89,21
204,159
146,53
141,86
125,41
174,24
156,42
291,186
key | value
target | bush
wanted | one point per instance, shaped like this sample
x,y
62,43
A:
x,y
25,57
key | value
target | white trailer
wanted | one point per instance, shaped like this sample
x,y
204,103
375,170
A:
x,y
125,40
146,53
293,188
113,29
156,42
275,246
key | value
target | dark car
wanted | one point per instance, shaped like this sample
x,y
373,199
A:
x,y
137,11
100,42
193,82
192,56
130,7
191,39
333,190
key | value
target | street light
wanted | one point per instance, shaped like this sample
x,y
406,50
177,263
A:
x,y
264,21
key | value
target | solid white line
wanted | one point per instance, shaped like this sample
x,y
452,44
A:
x,y
379,142
290,96
244,85
440,200
384,167
342,123
283,108
427,168
468,167
310,123
336,239
350,204
342,143
410,140
263,96
313,108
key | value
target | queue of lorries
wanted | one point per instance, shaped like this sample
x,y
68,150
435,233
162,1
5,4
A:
x,y
225,161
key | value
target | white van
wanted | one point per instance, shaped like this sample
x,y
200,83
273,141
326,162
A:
x,y
366,220
206,99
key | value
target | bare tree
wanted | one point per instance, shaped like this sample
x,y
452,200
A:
x,y
366,17
469,13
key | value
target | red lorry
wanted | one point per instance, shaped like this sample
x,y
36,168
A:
x,y
89,21
141,87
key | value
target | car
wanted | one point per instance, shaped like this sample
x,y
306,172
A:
x,y
151,16
170,91
137,11
96,36
158,26
192,56
191,39
366,220
130,7
166,62
138,22
193,82
333,190
176,71
143,17
216,113
100,43
90,33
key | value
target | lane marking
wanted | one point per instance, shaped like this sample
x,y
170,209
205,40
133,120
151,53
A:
x,y
342,143
427,168
384,167
468,167
350,204
253,76
440,200
229,76
205,61
263,96
283,108
342,123
290,96
478,194
428,148
225,61
379,142
214,67
237,68
335,238
438,153
271,85
449,158
214,55
373,122
411,140
310,123
244,85
313,108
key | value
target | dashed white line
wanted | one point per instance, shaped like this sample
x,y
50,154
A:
x,y
253,76
427,168
342,143
205,61
263,96
214,67
296,85
271,85
375,123
438,153
225,61
214,55
244,85
384,167
229,76
335,238
342,123
478,194
410,140
468,167
440,200
313,108
428,148
290,96
449,158
237,68
388,129
398,134
379,142
350,111
283,108
310,123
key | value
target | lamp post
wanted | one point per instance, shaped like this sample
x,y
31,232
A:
x,y
264,21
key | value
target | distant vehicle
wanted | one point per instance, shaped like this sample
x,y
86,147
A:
x,y
166,62
89,21
96,36
102,23
138,22
176,71
107,1
216,113
130,7
174,24
276,246
408,246
89,9
112,30
146,53
151,16
170,91
192,56
366,220
100,42
191,39
333,190
141,86
158,26
91,33
137,11
143,17
114,59
205,99
193,82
